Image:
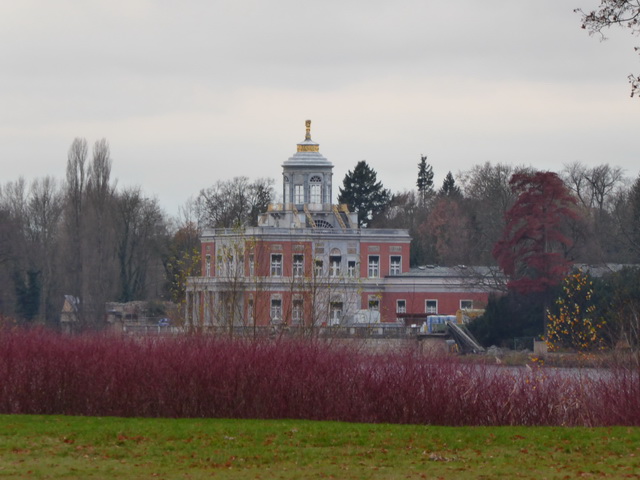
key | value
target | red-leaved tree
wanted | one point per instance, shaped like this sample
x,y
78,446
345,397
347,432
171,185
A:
x,y
533,248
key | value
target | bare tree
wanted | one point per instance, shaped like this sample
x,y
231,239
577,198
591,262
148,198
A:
x,y
44,218
597,237
13,242
141,232
233,203
611,13
75,189
488,196
99,228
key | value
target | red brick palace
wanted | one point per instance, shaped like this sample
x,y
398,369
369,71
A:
x,y
307,263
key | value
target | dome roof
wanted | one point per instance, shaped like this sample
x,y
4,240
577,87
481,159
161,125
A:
x,y
308,154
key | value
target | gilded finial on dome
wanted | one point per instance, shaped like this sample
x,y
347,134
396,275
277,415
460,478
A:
x,y
308,134
308,145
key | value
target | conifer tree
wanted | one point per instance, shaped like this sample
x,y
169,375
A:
x,y
425,180
449,187
363,193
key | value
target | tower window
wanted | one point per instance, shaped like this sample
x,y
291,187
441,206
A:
x,y
315,189
287,191
298,194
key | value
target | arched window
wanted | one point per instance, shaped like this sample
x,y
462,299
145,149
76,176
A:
x,y
315,189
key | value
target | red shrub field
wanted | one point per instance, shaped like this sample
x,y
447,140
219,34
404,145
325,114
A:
x,y
193,376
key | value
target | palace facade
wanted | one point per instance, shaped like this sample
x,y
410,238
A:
x,y
307,263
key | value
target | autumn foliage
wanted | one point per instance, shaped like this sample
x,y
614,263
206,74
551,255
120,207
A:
x,y
533,247
574,322
45,373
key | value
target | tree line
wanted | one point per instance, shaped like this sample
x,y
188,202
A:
x,y
87,238
540,228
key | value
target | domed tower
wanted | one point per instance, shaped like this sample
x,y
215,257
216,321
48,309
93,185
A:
x,y
306,176
307,192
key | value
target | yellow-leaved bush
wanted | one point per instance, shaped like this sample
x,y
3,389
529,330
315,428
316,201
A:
x,y
574,322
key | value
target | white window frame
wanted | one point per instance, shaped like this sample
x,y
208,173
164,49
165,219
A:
x,y
373,303
315,190
335,314
276,264
250,310
318,267
252,265
287,190
297,311
374,266
207,271
334,265
352,266
276,308
395,268
298,194
298,265
401,306
466,308
431,310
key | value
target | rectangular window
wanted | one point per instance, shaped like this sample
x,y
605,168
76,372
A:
x,y
431,306
395,265
276,309
351,268
298,194
335,314
276,264
252,266
374,304
466,304
238,267
207,272
315,193
401,306
374,266
298,265
334,266
318,268
250,311
297,312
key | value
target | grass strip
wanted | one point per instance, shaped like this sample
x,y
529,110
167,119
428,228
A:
x,y
106,447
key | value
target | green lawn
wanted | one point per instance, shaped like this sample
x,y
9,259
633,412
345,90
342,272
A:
x,y
90,447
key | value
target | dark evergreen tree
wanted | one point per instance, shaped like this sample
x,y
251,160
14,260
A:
x,y
449,187
508,318
28,294
363,193
425,180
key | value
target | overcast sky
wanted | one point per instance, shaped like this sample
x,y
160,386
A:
x,y
192,92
